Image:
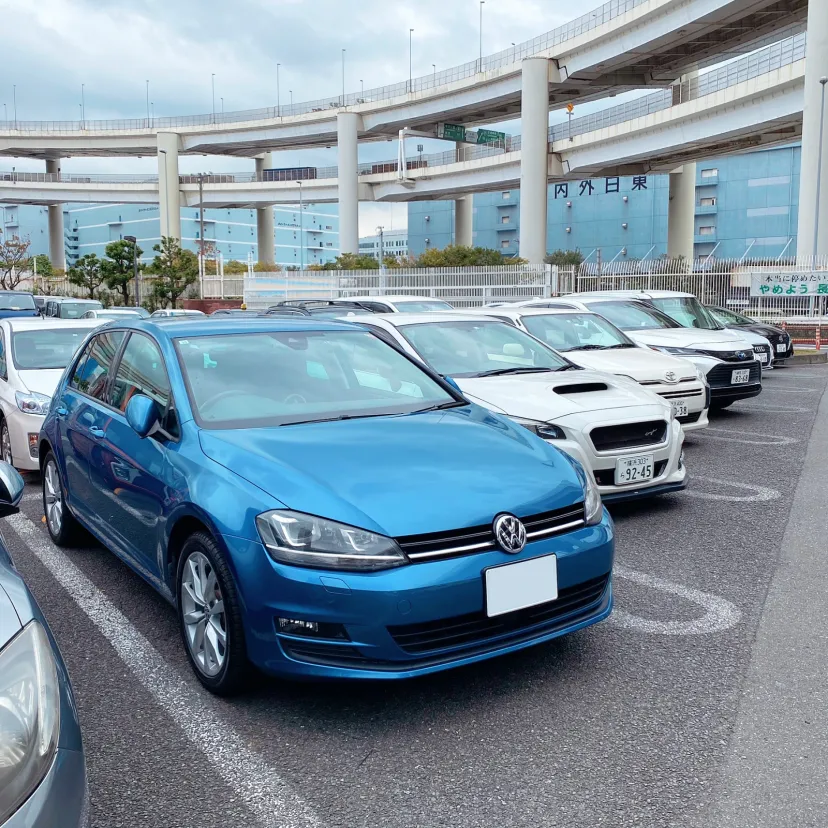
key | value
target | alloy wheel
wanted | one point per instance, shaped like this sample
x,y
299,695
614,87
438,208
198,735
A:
x,y
5,444
202,609
53,497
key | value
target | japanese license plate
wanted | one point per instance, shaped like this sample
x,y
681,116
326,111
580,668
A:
x,y
781,348
764,358
633,469
740,376
520,585
679,407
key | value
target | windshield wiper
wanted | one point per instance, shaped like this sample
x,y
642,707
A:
x,y
588,348
440,406
497,372
620,345
570,368
333,419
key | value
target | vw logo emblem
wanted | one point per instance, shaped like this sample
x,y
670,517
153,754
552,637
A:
x,y
670,376
510,533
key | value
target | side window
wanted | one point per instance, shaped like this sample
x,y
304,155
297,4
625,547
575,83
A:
x,y
92,372
140,371
3,372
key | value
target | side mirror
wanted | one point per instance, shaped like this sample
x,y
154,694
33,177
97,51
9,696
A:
x,y
453,384
142,414
11,485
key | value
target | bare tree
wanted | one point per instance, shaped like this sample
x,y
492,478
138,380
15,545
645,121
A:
x,y
14,260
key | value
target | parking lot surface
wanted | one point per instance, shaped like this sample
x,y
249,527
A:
x,y
648,719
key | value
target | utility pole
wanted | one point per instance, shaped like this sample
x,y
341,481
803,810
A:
x,y
301,228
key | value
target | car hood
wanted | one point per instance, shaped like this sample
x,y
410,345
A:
x,y
536,397
725,340
760,328
402,475
42,381
642,364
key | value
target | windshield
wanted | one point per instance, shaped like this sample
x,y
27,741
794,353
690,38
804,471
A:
x,y
45,348
422,306
576,332
74,310
477,349
17,301
633,316
688,312
729,317
276,378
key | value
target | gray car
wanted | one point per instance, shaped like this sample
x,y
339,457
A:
x,y
42,766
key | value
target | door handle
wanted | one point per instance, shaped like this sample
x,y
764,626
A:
x,y
96,432
61,412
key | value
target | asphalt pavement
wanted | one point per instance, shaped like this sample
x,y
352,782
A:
x,y
699,703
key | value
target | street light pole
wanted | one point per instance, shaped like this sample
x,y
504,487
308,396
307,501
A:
x,y
83,104
148,115
410,74
434,74
301,229
482,3
222,107
213,80
278,99
823,80
14,96
343,77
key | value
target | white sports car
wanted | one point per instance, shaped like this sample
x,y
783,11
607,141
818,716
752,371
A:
x,y
591,341
627,436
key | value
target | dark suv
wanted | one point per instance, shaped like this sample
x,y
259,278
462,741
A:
x,y
779,338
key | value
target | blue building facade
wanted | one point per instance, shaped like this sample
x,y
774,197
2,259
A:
x,y
25,221
745,204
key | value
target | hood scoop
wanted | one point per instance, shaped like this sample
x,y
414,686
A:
x,y
581,387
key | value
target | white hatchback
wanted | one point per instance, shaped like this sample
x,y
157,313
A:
x,y
591,341
626,436
33,354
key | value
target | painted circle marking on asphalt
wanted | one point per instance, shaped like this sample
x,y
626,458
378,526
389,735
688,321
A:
x,y
719,614
762,439
270,799
758,494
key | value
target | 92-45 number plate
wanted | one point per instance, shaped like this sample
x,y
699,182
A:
x,y
633,469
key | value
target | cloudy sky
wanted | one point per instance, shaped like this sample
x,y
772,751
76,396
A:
x,y
112,47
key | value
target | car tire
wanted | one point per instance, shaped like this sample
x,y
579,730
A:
x,y
5,443
213,640
64,529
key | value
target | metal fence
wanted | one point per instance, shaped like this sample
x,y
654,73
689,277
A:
x,y
506,57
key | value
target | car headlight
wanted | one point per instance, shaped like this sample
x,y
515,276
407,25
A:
x,y
32,403
669,349
29,715
306,540
701,375
548,431
593,505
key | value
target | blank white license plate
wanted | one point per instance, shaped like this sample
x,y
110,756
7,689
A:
x,y
633,469
740,377
781,347
763,358
520,585
679,407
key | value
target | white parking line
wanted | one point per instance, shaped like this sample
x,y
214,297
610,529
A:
x,y
759,494
267,796
790,389
776,409
719,615
761,439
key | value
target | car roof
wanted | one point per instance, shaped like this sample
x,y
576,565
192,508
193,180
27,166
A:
x,y
632,294
118,311
514,313
49,323
67,299
175,327
17,292
398,319
397,297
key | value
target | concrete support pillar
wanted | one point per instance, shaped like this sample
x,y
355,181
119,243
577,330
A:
x,y
816,67
463,220
169,193
347,129
534,126
681,214
265,229
57,241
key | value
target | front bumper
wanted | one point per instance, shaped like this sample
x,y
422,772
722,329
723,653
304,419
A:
x,y
379,612
20,427
62,798
694,394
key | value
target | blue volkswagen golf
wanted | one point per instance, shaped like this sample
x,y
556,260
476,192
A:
x,y
315,503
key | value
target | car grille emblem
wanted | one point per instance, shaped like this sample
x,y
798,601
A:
x,y
510,533
670,376
651,433
741,355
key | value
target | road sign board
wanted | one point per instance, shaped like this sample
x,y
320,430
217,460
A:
x,y
451,132
569,108
490,136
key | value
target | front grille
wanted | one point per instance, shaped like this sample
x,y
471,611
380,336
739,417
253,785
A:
x,y
689,418
680,395
660,382
476,627
628,435
441,545
606,477
761,349
721,375
730,356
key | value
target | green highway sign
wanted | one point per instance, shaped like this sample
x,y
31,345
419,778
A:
x,y
490,136
451,132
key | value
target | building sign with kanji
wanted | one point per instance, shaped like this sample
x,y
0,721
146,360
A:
x,y
775,283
